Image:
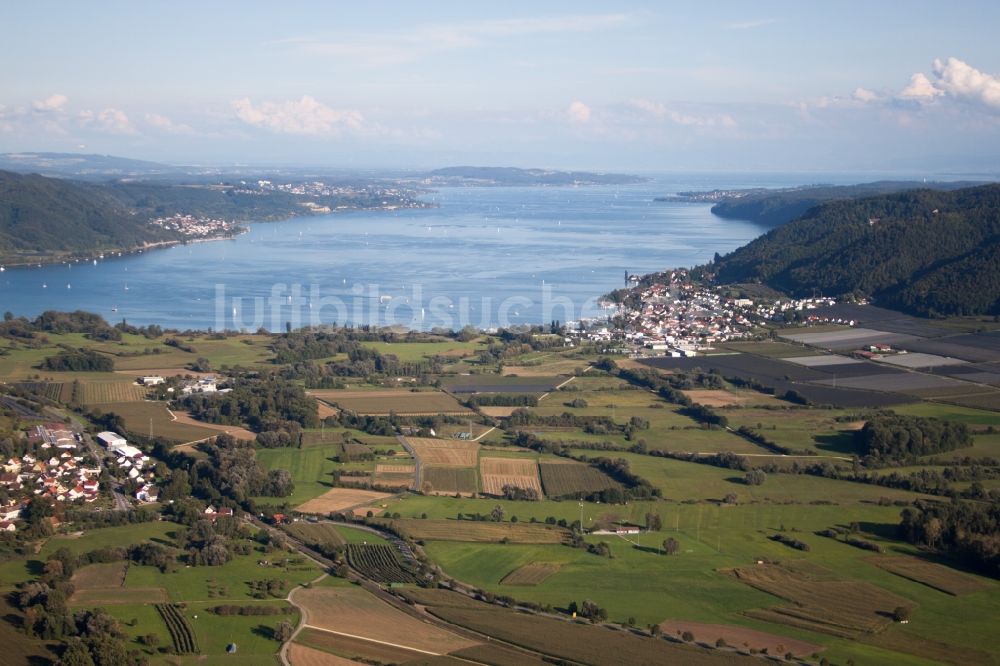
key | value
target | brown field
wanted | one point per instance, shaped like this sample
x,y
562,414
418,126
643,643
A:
x,y
546,369
118,595
570,478
939,577
99,576
715,398
453,452
315,533
740,637
339,499
355,612
530,574
382,403
481,531
324,410
848,609
385,468
302,655
236,431
498,412
450,480
518,472
581,643
114,391
907,642
138,415
358,648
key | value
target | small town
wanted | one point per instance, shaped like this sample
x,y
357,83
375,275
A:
x,y
194,227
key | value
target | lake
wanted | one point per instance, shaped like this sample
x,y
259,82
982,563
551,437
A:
x,y
487,256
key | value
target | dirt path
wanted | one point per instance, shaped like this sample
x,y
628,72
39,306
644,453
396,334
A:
x,y
303,619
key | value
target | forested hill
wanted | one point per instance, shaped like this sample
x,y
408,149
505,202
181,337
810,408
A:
x,y
41,216
925,252
772,208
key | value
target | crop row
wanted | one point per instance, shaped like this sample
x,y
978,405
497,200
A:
x,y
180,630
379,563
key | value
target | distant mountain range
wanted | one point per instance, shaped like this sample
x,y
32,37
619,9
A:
x,y
512,176
81,166
774,207
927,252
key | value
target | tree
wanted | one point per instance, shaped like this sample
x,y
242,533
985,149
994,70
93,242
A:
x,y
497,514
283,631
670,545
901,614
653,522
75,654
755,477
687,637
730,498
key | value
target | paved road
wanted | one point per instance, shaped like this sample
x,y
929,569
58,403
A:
x,y
122,503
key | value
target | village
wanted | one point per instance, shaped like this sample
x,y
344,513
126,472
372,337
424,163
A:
x,y
676,316
194,227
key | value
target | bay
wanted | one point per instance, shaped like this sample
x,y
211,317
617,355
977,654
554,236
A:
x,y
486,256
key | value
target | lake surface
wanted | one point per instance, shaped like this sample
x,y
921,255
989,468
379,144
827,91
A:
x,y
485,257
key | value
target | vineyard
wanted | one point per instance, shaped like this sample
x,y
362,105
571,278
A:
x,y
379,563
180,631
315,534
572,479
95,392
450,480
499,473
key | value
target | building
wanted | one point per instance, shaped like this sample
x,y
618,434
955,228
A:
x,y
151,380
110,440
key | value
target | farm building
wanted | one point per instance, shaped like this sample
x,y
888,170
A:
x,y
151,380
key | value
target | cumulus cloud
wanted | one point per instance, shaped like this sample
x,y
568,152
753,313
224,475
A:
x,y
578,112
165,124
306,116
663,112
962,81
920,88
864,95
112,121
49,104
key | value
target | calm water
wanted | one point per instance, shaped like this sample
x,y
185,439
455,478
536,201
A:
x,y
486,257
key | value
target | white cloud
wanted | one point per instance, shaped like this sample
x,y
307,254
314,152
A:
x,y
398,47
49,104
751,24
578,112
165,124
864,95
306,116
663,112
962,81
920,88
112,121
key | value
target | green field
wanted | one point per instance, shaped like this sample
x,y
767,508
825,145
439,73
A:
x,y
310,469
415,351
144,417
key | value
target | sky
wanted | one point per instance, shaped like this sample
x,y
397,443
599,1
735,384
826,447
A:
x,y
638,86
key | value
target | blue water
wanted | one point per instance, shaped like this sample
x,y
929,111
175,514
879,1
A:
x,y
485,257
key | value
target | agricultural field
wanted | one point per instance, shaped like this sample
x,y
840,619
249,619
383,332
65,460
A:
x,y
416,351
502,383
323,534
380,563
396,401
572,479
400,476
498,473
96,392
740,637
355,612
449,480
340,499
481,531
530,575
846,609
933,575
451,452
311,469
141,417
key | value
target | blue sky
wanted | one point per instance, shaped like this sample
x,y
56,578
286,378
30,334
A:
x,y
636,86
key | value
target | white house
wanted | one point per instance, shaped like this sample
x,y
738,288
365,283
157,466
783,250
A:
x,y
110,439
151,380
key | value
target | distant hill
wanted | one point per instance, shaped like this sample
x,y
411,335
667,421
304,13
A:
x,y
511,176
80,166
42,216
772,208
926,252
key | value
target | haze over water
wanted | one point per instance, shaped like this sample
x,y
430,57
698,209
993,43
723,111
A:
x,y
485,257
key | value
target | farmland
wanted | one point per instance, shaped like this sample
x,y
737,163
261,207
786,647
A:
x,y
481,531
530,574
321,534
930,574
380,563
340,499
453,452
499,473
449,480
383,403
95,392
568,479
144,417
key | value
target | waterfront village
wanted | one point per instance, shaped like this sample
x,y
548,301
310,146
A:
x,y
194,227
677,316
